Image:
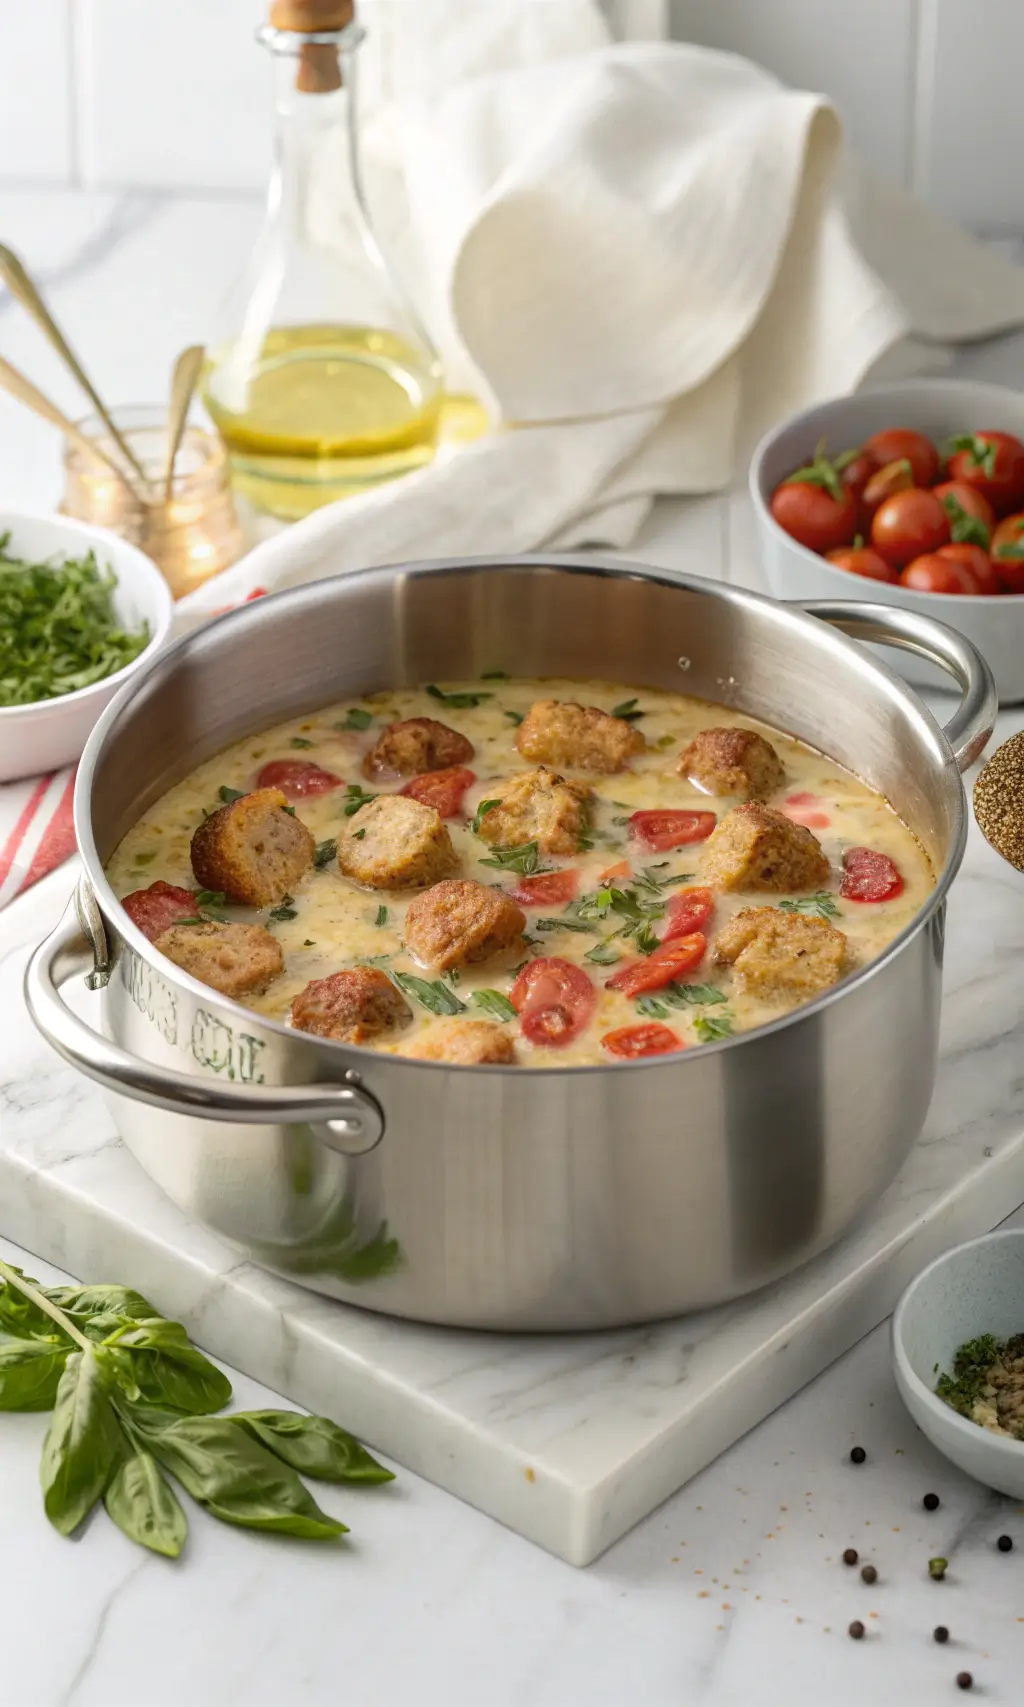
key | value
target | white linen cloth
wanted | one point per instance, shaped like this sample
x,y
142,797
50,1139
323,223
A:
x,y
641,255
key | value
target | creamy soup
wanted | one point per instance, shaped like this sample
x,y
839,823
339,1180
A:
x,y
610,909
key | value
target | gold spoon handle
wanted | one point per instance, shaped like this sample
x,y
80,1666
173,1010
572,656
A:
x,y
14,381
187,369
22,288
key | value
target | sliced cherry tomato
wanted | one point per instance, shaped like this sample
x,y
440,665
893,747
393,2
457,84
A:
x,y
623,869
894,477
977,565
934,574
688,910
993,463
971,516
811,515
656,970
297,778
806,809
1008,553
630,1042
869,876
664,830
855,470
908,525
861,560
555,1001
894,444
443,790
547,889
159,907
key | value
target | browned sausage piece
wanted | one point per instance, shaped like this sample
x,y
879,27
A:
x,y
237,960
781,956
577,737
467,1043
415,745
395,842
538,806
253,851
458,922
733,761
353,1006
755,847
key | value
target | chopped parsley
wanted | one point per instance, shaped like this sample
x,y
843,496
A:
x,y
358,835
355,797
382,915
431,994
355,718
493,1003
59,631
971,1366
325,852
300,741
285,910
822,906
458,701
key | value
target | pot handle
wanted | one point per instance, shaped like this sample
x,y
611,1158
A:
x,y
971,724
348,1118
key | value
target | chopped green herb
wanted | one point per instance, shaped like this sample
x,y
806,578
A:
x,y
514,716
325,852
586,842
524,858
194,919
493,1003
627,711
229,794
382,915
285,910
645,939
620,821
823,905
59,631
144,858
677,995
300,741
563,924
484,807
710,1028
680,877
431,994
971,1366
358,835
355,718
375,960
603,954
211,898
355,797
459,701
290,811
665,741
494,676
308,942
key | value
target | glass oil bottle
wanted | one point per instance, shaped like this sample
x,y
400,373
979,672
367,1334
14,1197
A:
x,y
323,381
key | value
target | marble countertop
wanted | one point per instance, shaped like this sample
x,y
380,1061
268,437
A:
x,y
733,1593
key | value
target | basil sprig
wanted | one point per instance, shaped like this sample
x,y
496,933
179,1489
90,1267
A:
x,y
822,905
431,994
133,1403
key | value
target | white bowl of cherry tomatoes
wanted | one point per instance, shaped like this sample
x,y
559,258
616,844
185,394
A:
x,y
908,494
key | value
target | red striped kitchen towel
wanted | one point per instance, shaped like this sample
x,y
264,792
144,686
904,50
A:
x,y
37,830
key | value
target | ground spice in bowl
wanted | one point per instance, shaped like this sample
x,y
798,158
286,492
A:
x,y
999,800
987,1384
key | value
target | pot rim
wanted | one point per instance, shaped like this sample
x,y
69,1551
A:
x,y
595,565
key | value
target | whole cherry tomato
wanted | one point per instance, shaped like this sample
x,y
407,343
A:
x,y
855,468
893,444
547,889
662,830
631,1042
978,565
861,560
1008,554
656,970
869,876
907,525
555,1001
993,463
931,573
971,516
813,514
894,477
297,778
443,790
688,910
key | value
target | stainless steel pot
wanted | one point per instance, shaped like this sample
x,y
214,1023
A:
x,y
505,1197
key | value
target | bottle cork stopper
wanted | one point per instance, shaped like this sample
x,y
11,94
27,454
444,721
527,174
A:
x,y
319,68
310,15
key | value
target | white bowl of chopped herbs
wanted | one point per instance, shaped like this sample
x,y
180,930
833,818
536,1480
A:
x,y
79,610
958,1349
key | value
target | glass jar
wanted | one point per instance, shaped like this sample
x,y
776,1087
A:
x,y
191,535
321,377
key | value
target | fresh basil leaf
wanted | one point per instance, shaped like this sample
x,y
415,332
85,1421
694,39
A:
x,y
493,1003
627,711
235,1478
77,1301
645,939
652,1008
83,1443
710,1027
602,954
230,794
484,807
524,857
823,905
145,1507
286,910
459,701
325,852
314,1446
382,915
563,924
155,1362
680,877
211,898
24,1319
355,718
355,797
30,1372
696,995
433,995
514,716
300,741
375,960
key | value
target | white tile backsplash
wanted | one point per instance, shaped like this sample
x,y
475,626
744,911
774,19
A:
x,y
36,102
174,94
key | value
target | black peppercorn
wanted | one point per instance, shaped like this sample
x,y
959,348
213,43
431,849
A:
x,y
1005,1544
964,1680
858,1455
869,1574
850,1556
930,1502
856,1630
940,1633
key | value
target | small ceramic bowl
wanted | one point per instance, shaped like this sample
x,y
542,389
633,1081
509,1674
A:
x,y
51,733
938,407
975,1289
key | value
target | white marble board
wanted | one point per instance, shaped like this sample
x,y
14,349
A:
x,y
568,1439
